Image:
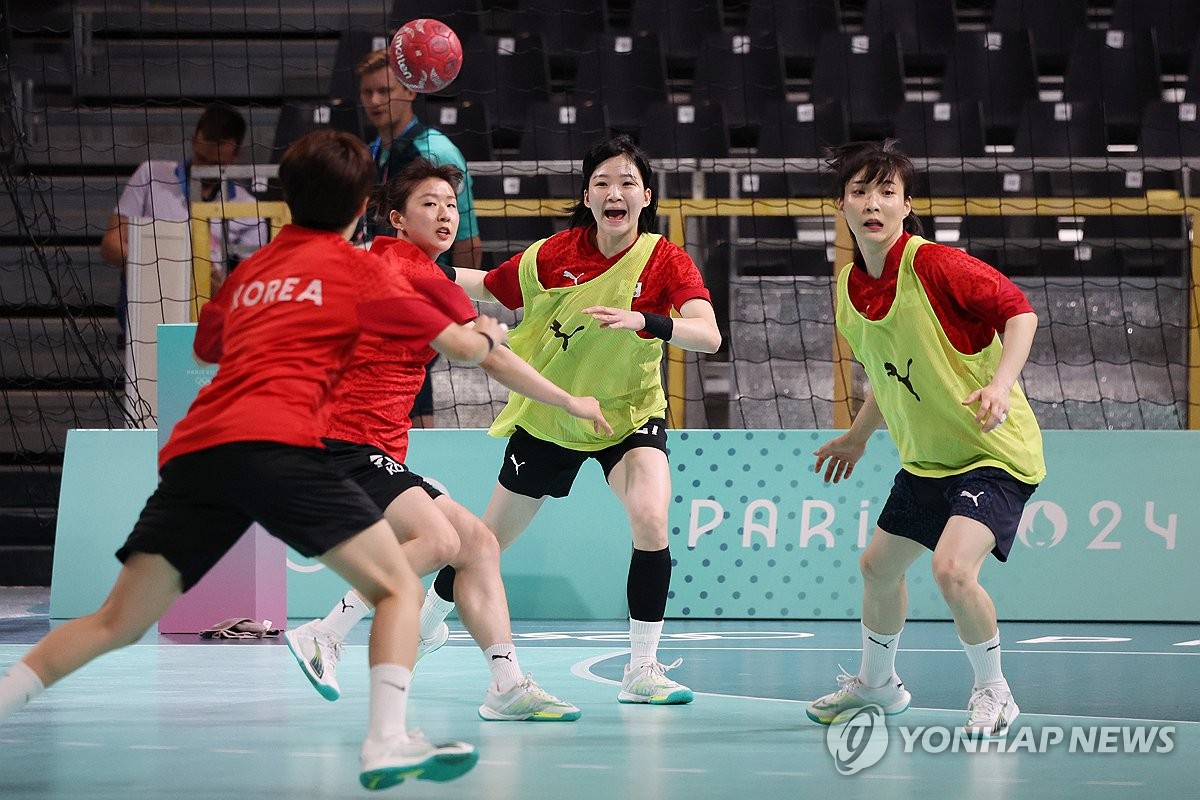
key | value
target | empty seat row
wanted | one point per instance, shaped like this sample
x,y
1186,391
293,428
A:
x,y
925,27
118,139
999,69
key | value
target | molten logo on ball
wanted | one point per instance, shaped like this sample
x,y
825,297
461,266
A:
x,y
426,55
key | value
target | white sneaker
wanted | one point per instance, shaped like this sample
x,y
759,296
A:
x,y
317,653
526,701
391,763
989,713
649,683
892,697
435,642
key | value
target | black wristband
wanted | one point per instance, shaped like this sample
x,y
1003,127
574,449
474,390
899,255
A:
x,y
449,271
491,341
659,326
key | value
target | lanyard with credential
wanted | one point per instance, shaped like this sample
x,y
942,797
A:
x,y
381,156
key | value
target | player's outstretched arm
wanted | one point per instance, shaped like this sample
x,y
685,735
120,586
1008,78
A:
x,y
471,281
515,373
694,329
470,345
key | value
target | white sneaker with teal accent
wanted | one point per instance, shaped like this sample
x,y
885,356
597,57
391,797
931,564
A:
x,y
990,712
439,638
317,653
390,763
892,697
649,683
526,701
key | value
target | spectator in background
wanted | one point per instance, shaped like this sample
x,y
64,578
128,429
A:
x,y
402,137
161,190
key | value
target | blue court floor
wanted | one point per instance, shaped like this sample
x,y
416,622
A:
x,y
176,717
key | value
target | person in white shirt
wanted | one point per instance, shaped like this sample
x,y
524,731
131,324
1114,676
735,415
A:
x,y
160,189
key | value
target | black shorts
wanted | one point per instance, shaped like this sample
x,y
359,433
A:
x,y
536,468
382,477
919,508
205,501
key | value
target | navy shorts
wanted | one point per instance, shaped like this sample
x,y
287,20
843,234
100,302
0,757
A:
x,y
536,468
382,477
919,508
205,501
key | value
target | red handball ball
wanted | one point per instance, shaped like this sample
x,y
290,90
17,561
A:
x,y
426,55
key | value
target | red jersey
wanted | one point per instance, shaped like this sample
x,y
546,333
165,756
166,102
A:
x,y
971,300
570,258
371,403
282,329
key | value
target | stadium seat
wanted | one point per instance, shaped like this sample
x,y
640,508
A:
x,y
353,45
941,129
865,71
506,73
298,117
465,17
998,70
1192,87
1176,24
562,25
684,130
681,26
800,130
1066,131
799,24
1118,68
1050,23
623,72
162,70
1170,130
562,131
925,29
467,123
946,130
504,187
742,72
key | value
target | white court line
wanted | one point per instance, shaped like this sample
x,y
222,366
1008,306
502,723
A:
x,y
585,766
583,669
153,747
785,774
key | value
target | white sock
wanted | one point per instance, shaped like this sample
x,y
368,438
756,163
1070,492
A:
x,y
879,657
17,688
433,612
389,702
643,641
349,611
985,660
502,661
